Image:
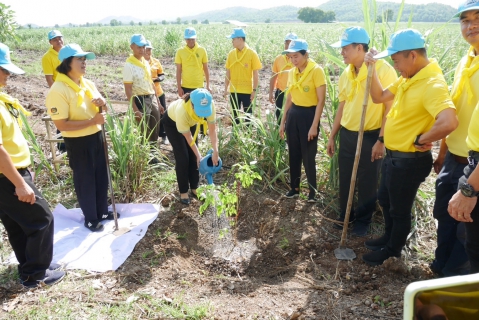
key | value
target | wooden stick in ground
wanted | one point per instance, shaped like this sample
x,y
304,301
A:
x,y
356,158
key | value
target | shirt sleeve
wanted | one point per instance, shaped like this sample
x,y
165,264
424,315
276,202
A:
x,y
47,66
436,98
393,87
127,74
228,61
319,77
255,63
57,103
212,117
182,119
205,56
177,57
387,75
342,86
290,77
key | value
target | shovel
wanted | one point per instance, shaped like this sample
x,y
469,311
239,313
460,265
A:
x,y
343,253
117,232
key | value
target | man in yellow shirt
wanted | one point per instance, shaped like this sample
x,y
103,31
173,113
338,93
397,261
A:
x,y
352,85
242,78
191,65
50,60
450,255
279,79
422,112
23,210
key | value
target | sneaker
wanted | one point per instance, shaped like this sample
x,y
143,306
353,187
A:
x,y
293,193
51,277
185,201
377,244
94,226
54,266
312,197
109,216
377,258
165,141
360,230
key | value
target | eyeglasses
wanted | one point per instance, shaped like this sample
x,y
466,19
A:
x,y
5,71
14,112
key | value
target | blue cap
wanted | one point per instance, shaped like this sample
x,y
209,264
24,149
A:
x,y
74,50
297,45
53,34
138,39
466,6
237,33
201,100
190,33
290,36
5,61
407,39
149,45
352,35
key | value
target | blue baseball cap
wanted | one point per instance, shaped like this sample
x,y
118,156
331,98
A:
x,y
190,33
237,33
53,34
352,35
466,6
407,39
290,36
149,45
6,62
74,50
201,100
297,45
138,39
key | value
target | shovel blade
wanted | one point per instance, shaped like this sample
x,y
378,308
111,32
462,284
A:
x,y
344,254
121,231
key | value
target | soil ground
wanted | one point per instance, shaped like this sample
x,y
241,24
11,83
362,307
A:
x,y
286,268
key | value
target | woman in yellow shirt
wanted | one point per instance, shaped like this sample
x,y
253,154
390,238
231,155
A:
x,y
72,102
185,117
305,98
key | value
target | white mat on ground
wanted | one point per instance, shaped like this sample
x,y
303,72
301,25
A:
x,y
75,247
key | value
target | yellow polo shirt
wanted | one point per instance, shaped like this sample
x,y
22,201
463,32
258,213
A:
x,y
353,95
191,60
156,69
472,139
241,65
135,75
177,113
306,95
465,104
425,98
281,66
50,63
12,140
62,103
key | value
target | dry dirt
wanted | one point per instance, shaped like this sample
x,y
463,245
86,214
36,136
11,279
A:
x,y
288,271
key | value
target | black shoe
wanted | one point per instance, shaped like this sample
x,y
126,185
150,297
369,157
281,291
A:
x,y
154,161
51,277
109,216
185,201
54,266
293,193
377,244
377,258
312,197
339,226
94,226
360,230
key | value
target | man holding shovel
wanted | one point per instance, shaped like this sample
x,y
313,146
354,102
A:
x,y
422,112
352,86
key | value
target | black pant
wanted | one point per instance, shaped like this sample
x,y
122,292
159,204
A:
x,y
278,100
240,99
298,122
161,128
472,228
400,180
188,90
29,228
148,105
450,255
367,174
86,156
187,174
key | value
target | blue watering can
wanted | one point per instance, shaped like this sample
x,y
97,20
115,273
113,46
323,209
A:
x,y
207,168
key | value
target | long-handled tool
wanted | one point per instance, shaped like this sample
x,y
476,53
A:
x,y
117,231
343,253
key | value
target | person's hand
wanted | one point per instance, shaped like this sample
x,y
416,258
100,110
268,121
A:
x,y
25,194
460,207
281,130
225,94
215,158
425,147
369,57
181,93
330,146
99,102
198,159
161,107
271,98
138,115
208,88
313,132
378,151
438,164
99,118
251,97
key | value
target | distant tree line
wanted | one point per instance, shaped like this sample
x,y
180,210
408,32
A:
x,y
312,15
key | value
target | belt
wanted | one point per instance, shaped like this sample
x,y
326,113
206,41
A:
x,y
459,159
20,170
407,155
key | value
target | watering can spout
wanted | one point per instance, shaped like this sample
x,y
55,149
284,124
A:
x,y
207,168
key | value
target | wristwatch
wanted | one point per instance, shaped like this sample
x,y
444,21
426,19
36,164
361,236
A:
x,y
416,142
468,191
381,139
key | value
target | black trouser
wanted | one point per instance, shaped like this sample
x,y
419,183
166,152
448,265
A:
x,y
298,122
187,174
161,128
29,228
148,105
367,174
450,255
472,228
240,99
400,180
187,90
86,156
278,100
